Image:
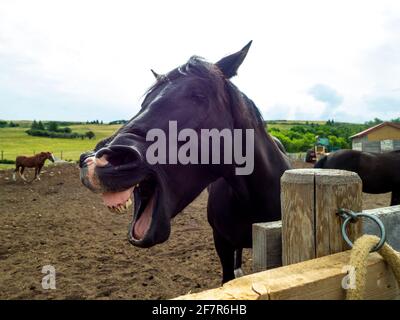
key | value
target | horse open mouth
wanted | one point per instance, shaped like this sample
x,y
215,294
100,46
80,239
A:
x,y
145,196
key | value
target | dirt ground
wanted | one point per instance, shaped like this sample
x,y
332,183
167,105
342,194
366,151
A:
x,y
58,222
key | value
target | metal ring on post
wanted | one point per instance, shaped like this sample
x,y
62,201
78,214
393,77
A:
x,y
352,217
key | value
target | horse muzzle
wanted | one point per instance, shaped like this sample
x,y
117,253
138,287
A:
x,y
112,169
88,175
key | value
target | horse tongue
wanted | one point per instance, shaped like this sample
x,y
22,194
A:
x,y
143,223
113,199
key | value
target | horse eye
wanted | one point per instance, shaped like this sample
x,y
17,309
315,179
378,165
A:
x,y
199,97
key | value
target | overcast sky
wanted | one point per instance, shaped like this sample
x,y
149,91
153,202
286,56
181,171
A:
x,y
86,60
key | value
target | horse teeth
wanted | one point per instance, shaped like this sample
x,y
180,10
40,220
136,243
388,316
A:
x,y
121,208
128,203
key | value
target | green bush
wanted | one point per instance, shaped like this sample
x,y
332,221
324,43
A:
x,y
90,135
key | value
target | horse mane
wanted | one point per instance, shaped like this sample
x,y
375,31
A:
x,y
245,107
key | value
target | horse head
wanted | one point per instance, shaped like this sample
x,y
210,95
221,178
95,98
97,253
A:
x,y
47,156
196,96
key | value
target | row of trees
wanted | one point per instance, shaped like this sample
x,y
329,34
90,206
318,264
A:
x,y
94,122
52,129
378,121
5,124
118,122
39,125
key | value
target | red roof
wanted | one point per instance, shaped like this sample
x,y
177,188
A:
x,y
367,131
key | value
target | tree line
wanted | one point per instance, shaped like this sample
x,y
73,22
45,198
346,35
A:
x,y
5,124
377,121
53,129
301,137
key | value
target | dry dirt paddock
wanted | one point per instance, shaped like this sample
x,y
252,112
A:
x,y
58,222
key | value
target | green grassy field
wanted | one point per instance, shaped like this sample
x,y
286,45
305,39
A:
x,y
15,142
287,124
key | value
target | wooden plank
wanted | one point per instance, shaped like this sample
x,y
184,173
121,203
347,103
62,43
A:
x,y
297,198
267,245
317,279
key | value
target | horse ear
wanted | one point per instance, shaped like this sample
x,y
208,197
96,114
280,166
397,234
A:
x,y
230,64
156,75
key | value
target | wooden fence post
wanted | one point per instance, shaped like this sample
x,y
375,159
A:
x,y
267,245
310,200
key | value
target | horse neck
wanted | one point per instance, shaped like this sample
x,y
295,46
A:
x,y
269,165
42,159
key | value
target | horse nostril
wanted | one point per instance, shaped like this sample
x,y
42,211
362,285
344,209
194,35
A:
x,y
88,161
102,161
84,159
118,156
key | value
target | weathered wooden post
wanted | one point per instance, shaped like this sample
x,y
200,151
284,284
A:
x,y
310,200
267,245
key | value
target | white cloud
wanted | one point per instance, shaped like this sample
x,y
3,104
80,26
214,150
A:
x,y
100,52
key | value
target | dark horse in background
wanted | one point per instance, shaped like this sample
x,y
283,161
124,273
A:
x,y
198,95
37,161
379,172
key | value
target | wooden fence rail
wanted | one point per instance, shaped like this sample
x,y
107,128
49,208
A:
x,y
316,279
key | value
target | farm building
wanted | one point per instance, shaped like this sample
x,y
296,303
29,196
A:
x,y
380,138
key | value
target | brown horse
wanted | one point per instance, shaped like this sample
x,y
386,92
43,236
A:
x,y
37,162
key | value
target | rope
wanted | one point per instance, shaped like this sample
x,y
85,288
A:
x,y
358,259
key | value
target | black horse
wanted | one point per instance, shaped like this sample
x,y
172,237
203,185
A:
x,y
379,172
197,95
